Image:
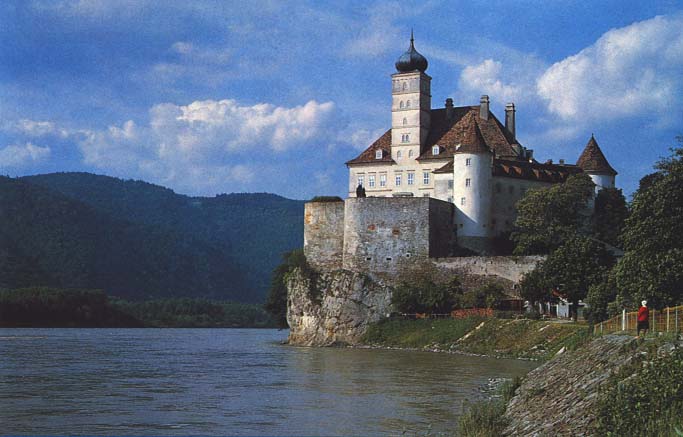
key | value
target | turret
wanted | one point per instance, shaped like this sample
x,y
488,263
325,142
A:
x,y
593,162
472,189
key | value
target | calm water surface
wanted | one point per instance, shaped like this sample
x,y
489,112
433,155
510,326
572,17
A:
x,y
226,381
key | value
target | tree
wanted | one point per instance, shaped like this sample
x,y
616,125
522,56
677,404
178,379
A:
x,y
575,266
426,296
276,302
653,237
599,297
534,287
609,215
547,217
486,296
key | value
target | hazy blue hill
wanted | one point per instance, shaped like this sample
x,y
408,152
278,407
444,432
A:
x,y
254,229
49,239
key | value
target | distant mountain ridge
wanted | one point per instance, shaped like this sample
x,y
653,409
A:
x,y
141,240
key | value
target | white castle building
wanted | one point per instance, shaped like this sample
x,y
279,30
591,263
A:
x,y
460,154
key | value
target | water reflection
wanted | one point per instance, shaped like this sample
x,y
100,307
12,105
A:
x,y
193,381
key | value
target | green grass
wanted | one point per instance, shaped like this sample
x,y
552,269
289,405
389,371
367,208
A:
x,y
439,333
486,418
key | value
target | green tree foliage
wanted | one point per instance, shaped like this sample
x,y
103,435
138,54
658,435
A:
x,y
246,233
609,215
486,296
426,296
534,286
599,297
276,302
575,266
653,237
50,307
547,217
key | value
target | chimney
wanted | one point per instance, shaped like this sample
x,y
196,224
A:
x,y
484,107
561,161
449,108
510,119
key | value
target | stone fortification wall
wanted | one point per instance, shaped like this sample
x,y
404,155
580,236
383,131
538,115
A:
x,y
442,238
386,236
324,234
511,268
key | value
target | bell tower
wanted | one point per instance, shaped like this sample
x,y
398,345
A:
x,y
410,103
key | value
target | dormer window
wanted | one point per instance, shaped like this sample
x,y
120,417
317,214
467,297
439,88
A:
x,y
435,150
378,154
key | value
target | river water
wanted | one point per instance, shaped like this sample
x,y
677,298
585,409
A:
x,y
227,381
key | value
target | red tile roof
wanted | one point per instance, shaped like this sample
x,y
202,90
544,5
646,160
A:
x,y
534,170
369,156
449,133
593,160
472,140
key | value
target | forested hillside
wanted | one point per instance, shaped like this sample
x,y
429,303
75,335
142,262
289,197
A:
x,y
138,240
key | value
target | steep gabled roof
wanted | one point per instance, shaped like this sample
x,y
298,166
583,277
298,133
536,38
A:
x,y
472,140
593,160
368,156
448,133
533,170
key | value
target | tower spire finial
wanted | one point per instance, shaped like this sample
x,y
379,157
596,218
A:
x,y
411,35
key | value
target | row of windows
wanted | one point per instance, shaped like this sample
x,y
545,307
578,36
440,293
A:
x,y
398,179
399,154
403,105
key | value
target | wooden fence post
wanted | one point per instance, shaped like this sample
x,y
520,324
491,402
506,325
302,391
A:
x,y
667,318
623,319
654,321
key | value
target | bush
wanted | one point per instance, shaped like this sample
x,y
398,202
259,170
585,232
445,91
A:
x,y
486,296
326,199
426,297
648,402
487,418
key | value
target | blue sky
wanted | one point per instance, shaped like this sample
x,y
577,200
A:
x,y
207,97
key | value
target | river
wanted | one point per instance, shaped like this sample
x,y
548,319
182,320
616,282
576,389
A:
x,y
227,381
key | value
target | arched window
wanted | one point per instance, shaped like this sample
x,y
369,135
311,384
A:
x,y
410,153
405,121
399,155
408,104
405,86
401,105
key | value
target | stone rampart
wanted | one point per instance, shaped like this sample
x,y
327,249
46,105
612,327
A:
x,y
511,268
324,234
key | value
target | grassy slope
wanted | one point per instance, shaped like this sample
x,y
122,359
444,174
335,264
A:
x,y
497,337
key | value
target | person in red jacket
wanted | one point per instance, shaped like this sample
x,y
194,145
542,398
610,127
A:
x,y
643,318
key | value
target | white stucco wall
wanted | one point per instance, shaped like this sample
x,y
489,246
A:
x,y
474,216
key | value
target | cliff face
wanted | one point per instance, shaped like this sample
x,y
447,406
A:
x,y
334,308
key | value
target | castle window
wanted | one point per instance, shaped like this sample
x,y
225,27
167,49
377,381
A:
x,y
398,179
399,155
371,180
361,180
462,201
450,199
468,162
425,178
468,182
410,153
383,180
401,104
450,184
435,150
405,138
407,103
378,154
425,195
405,121
405,86
411,178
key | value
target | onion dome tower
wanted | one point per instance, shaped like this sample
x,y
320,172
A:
x,y
411,105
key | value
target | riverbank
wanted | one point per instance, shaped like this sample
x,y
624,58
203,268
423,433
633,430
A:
x,y
503,338
611,385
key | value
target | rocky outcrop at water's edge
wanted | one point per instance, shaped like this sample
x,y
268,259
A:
x,y
333,307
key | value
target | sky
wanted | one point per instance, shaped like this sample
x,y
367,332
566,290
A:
x,y
210,97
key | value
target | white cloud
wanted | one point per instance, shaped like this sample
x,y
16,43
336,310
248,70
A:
x,y
196,146
33,128
19,156
628,71
486,77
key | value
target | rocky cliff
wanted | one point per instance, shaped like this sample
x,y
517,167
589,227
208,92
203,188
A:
x,y
331,308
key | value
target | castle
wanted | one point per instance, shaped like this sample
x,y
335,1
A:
x,y
462,155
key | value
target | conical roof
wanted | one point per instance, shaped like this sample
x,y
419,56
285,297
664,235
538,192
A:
x,y
593,160
411,60
472,140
